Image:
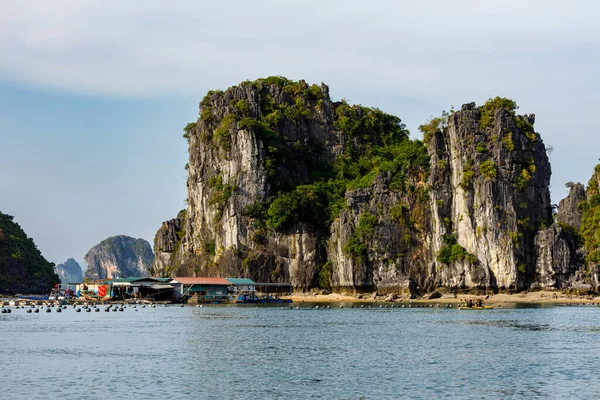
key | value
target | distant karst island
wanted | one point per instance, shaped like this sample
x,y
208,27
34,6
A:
x,y
119,256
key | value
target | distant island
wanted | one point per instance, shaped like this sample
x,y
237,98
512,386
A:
x,y
119,256
69,271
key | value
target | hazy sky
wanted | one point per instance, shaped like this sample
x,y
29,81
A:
x,y
94,94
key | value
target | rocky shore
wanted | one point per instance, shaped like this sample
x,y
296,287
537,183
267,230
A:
x,y
542,297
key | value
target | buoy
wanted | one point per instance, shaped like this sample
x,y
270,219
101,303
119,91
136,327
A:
x,y
88,310
78,310
182,305
28,311
59,309
121,309
37,310
107,309
48,309
341,306
96,309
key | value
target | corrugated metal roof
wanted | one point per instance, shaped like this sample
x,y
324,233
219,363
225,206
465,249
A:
x,y
201,281
241,281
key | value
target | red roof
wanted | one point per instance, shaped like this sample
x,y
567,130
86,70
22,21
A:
x,y
202,281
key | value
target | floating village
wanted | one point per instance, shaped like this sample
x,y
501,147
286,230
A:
x,y
147,290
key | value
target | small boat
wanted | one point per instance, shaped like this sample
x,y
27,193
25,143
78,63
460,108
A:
x,y
476,308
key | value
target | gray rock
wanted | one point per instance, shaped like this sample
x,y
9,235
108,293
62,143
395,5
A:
x,y
119,256
69,271
568,212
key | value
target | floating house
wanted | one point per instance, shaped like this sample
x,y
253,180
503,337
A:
x,y
143,287
201,290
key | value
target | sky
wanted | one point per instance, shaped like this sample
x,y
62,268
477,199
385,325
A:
x,y
94,94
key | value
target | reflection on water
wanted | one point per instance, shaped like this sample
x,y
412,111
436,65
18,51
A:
x,y
274,352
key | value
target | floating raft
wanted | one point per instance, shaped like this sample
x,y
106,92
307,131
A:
x,y
476,308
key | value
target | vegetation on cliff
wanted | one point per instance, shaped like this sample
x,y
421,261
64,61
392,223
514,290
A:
x,y
374,142
590,220
23,269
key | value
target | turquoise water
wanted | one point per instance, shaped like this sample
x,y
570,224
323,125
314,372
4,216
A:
x,y
273,353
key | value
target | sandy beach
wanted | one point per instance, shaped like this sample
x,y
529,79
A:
x,y
536,297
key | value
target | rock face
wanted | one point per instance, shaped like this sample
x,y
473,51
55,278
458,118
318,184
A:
x,y
568,211
119,256
23,269
166,245
285,185
69,271
559,259
490,191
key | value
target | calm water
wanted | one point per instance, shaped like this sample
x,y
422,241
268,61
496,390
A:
x,y
267,352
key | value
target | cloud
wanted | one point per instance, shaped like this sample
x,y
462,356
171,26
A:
x,y
153,48
542,53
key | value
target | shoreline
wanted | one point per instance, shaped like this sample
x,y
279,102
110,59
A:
x,y
537,297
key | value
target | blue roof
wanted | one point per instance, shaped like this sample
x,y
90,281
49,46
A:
x,y
241,281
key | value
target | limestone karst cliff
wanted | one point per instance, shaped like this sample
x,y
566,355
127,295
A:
x,y
285,184
69,271
119,256
23,269
569,250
